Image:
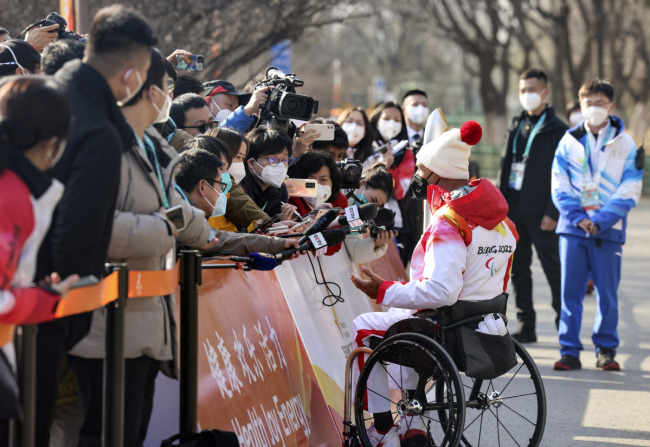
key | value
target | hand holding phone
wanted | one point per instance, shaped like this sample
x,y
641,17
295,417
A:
x,y
175,216
326,131
189,62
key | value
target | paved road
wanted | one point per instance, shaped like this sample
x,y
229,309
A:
x,y
591,407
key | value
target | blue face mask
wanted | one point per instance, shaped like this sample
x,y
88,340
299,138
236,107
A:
x,y
225,178
359,198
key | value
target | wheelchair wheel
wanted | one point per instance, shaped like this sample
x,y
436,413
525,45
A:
x,y
413,364
507,411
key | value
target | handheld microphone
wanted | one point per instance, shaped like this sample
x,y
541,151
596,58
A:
x,y
367,212
257,261
332,237
320,225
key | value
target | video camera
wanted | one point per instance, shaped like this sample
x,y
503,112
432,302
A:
x,y
283,103
384,221
54,19
351,170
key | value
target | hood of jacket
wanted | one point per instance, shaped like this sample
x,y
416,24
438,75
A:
x,y
481,203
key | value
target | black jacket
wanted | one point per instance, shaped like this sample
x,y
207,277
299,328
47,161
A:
x,y
90,169
269,199
535,195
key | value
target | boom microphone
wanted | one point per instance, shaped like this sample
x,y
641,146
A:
x,y
367,212
257,261
320,225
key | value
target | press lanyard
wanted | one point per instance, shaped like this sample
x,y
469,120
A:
x,y
587,161
148,145
531,137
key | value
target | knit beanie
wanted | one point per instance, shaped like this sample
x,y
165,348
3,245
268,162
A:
x,y
448,155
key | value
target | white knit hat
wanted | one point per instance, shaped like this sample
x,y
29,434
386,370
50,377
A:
x,y
448,155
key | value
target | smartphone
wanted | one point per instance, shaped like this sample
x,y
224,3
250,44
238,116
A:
x,y
85,281
326,131
175,216
189,62
267,223
278,229
301,187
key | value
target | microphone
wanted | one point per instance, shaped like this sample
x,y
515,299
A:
x,y
257,261
320,225
367,212
331,237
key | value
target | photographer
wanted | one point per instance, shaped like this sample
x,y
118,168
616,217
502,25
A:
x,y
233,109
266,169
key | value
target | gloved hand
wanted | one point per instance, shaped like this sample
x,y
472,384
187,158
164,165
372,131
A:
x,y
492,324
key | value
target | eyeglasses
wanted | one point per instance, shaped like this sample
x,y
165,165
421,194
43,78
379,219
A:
x,y
222,185
203,127
274,161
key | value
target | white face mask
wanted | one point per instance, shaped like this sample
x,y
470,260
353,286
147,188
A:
x,y
418,114
323,192
595,115
163,112
238,171
273,175
530,101
575,118
389,129
130,93
354,131
219,207
222,114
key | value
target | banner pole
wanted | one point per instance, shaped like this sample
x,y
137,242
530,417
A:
x,y
113,385
189,339
28,384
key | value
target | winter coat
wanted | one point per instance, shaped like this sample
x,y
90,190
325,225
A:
x,y
618,179
535,194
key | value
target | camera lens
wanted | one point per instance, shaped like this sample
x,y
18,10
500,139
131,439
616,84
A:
x,y
351,173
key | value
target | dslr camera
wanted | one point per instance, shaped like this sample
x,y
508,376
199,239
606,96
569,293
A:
x,y
384,221
55,19
351,170
283,103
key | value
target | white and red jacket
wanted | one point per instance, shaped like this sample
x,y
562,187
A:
x,y
27,200
465,253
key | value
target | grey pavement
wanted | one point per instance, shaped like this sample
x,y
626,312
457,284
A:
x,y
591,407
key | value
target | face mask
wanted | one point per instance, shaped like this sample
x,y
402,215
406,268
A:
x,y
237,171
222,114
22,69
418,114
419,187
225,178
273,176
575,118
354,131
389,129
219,208
130,93
360,198
530,101
595,115
163,112
323,192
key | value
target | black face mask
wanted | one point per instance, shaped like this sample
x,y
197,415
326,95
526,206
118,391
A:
x,y
419,187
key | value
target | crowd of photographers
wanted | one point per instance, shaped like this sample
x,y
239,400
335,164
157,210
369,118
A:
x,y
112,153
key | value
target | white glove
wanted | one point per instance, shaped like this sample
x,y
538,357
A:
x,y
492,326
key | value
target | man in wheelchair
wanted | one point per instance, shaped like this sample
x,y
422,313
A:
x,y
464,255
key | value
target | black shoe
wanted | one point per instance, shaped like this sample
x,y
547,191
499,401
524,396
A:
x,y
567,363
525,337
605,360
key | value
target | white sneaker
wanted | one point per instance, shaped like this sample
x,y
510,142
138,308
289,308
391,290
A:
x,y
389,439
412,426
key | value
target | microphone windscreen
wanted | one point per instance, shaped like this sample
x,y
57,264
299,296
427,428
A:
x,y
263,261
334,237
321,224
367,211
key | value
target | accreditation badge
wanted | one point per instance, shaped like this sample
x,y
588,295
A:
x,y
589,196
517,175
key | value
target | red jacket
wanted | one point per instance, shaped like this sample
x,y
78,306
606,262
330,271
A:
x,y
27,201
403,174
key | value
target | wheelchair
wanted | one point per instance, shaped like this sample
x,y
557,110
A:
x,y
463,395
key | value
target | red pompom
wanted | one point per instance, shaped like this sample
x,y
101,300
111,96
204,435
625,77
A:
x,y
471,132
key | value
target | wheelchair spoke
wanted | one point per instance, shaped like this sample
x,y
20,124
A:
x,y
512,378
392,378
519,395
383,397
500,424
520,415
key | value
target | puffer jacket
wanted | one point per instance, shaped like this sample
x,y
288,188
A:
x,y
143,238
